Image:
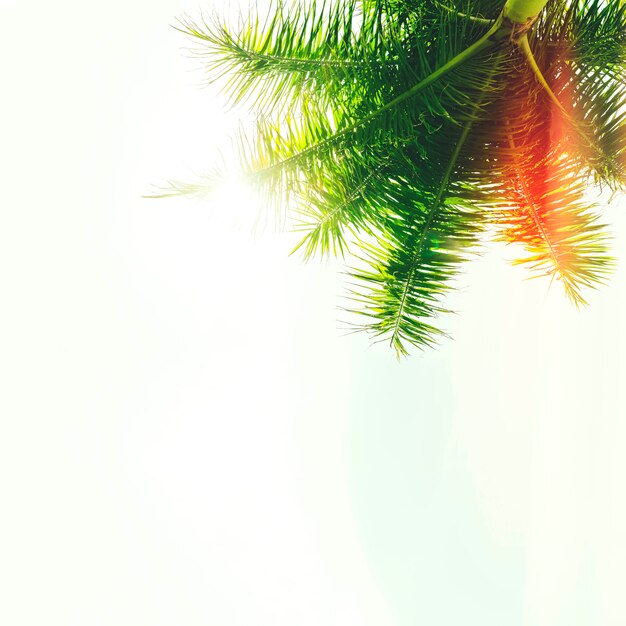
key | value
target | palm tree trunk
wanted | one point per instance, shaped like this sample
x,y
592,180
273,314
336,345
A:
x,y
523,11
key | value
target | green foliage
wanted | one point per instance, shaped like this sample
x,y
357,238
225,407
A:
x,y
396,132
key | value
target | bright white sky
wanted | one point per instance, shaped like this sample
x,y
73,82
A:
x,y
187,437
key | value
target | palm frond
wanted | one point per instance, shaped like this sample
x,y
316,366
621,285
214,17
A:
x,y
433,226
408,269
543,191
350,204
299,52
558,227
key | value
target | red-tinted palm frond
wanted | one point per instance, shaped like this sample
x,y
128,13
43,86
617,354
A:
x,y
546,208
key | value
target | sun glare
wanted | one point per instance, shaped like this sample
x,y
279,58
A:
x,y
237,204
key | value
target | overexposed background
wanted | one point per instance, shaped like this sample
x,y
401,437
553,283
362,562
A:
x,y
188,439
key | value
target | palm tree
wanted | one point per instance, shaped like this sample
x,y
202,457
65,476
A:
x,y
401,131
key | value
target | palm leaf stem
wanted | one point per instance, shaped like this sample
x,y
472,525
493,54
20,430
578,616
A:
x,y
524,46
526,50
531,204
